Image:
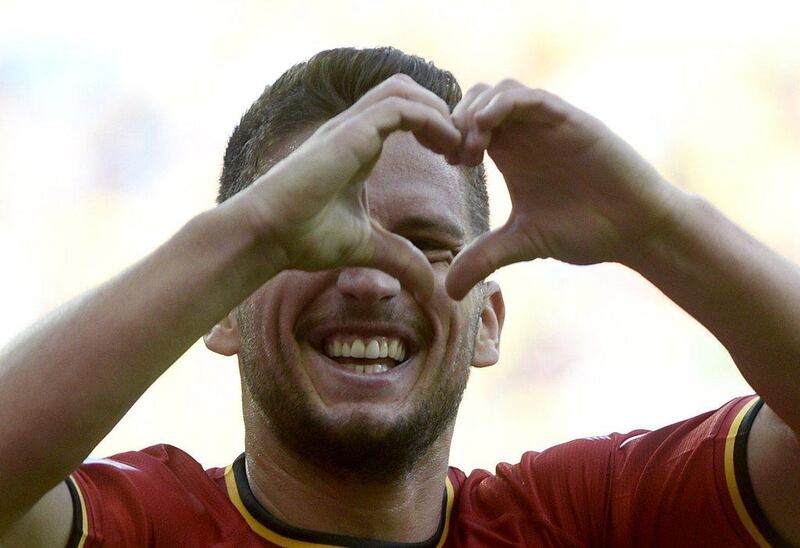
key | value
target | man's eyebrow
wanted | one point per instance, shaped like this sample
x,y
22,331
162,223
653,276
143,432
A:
x,y
432,223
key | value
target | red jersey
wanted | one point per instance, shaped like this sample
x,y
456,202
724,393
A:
x,y
682,485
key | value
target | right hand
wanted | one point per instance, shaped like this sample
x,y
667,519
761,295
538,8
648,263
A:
x,y
311,209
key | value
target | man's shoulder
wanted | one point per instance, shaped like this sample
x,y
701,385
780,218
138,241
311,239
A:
x,y
632,481
162,471
132,496
603,452
161,456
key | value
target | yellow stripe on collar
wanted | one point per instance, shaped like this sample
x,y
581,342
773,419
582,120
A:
x,y
286,542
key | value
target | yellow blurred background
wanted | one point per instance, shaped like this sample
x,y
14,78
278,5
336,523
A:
x,y
114,118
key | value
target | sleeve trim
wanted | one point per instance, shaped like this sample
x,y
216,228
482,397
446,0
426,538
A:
x,y
738,477
80,520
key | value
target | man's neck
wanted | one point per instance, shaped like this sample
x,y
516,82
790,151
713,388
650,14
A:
x,y
301,495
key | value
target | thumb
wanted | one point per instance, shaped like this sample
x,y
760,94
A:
x,y
487,253
400,258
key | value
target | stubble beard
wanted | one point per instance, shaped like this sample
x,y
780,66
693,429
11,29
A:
x,y
361,447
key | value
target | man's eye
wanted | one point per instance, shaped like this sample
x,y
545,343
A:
x,y
439,256
436,252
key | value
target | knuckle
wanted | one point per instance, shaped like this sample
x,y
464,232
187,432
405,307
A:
x,y
394,102
478,88
537,98
357,136
508,83
540,94
477,105
392,85
398,84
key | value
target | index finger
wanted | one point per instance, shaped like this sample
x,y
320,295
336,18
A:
x,y
404,86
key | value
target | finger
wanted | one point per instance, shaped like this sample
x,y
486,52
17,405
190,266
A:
x,y
394,113
461,117
399,85
400,258
488,94
534,104
466,100
479,259
477,139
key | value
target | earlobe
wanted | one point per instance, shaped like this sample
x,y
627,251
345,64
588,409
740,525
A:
x,y
487,341
224,336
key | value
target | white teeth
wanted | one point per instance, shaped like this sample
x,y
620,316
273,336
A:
x,y
373,349
384,349
368,369
399,353
357,349
369,348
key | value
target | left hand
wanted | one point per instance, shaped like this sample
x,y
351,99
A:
x,y
579,193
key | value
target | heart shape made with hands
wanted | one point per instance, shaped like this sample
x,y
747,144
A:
x,y
579,193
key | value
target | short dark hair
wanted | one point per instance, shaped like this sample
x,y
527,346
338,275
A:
x,y
314,91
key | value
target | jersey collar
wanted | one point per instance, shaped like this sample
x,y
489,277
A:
x,y
276,531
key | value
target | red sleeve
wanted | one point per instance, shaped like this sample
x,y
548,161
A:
x,y
138,499
682,485
687,484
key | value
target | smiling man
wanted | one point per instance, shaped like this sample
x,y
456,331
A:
x,y
344,267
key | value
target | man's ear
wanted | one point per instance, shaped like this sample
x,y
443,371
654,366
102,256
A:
x,y
224,336
493,313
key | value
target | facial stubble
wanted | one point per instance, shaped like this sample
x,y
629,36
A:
x,y
359,447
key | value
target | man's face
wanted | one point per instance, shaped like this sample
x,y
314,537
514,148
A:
x,y
373,416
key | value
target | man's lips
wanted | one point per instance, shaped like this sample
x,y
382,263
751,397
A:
x,y
346,382
364,355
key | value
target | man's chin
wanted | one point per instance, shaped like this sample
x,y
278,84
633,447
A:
x,y
365,441
373,440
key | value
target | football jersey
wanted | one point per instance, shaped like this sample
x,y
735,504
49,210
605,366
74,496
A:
x,y
682,485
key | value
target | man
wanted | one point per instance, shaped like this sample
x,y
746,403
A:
x,y
344,277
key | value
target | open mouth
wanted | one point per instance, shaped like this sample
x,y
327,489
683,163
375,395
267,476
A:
x,y
366,355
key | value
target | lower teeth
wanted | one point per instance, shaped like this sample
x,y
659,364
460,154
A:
x,y
367,369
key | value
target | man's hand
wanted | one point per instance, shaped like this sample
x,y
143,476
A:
x,y
579,193
313,205
582,195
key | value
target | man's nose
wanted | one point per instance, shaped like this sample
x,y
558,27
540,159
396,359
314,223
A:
x,y
367,285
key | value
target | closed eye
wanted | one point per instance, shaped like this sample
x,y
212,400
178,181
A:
x,y
435,251
442,256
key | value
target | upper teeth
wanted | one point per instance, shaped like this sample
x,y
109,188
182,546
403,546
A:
x,y
373,347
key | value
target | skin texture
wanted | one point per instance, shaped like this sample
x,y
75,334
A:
x,y
342,435
579,194
366,432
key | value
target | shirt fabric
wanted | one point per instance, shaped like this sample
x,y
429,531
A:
x,y
682,485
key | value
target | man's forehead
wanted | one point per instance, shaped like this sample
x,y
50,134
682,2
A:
x,y
402,156
416,187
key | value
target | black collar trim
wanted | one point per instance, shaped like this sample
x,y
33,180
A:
x,y
281,528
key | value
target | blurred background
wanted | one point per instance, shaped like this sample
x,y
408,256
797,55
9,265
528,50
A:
x,y
114,118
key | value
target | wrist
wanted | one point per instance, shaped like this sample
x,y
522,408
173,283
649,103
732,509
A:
x,y
667,235
253,256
